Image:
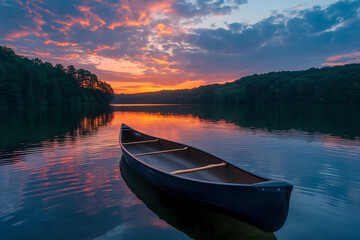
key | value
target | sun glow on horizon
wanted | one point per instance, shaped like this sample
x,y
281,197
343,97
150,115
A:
x,y
146,46
141,87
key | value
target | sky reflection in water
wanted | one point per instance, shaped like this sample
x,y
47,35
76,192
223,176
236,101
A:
x,y
61,180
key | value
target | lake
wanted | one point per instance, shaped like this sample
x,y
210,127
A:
x,y
62,177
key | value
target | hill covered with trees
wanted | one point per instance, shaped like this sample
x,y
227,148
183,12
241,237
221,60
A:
x,y
32,81
340,84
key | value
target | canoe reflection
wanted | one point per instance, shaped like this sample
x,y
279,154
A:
x,y
197,220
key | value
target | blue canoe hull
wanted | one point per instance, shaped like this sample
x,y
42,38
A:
x,y
264,205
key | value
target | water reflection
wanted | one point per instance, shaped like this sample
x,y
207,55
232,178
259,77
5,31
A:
x,y
64,181
73,190
320,165
23,128
197,220
335,120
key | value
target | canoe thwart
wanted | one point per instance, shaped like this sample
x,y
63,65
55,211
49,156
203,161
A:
x,y
147,141
164,151
193,174
199,168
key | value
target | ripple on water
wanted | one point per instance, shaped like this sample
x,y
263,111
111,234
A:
x,y
69,186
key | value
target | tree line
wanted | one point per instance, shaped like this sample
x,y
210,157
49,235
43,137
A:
x,y
32,81
340,84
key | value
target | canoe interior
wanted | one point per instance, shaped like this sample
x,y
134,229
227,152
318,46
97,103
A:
x,y
185,159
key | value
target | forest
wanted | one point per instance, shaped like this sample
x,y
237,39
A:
x,y
339,84
32,81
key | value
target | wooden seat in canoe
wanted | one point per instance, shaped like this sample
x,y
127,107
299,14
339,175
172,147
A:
x,y
164,151
139,142
199,168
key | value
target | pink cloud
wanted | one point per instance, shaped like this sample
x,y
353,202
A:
x,y
18,34
339,57
62,44
343,58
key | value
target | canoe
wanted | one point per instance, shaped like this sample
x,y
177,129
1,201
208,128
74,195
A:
x,y
193,174
195,219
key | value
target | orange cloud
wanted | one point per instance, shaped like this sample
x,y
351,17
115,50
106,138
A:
x,y
94,17
352,58
160,61
150,6
39,22
148,9
72,56
161,29
143,19
62,44
40,34
125,6
73,21
341,63
63,30
84,9
339,57
91,20
23,33
163,7
115,25
37,17
42,54
15,35
168,69
103,47
115,65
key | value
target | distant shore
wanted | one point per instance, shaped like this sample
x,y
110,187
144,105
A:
x,y
329,85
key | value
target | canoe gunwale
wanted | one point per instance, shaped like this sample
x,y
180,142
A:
x,y
266,185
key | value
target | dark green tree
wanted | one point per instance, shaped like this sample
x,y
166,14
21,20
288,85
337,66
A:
x,y
25,81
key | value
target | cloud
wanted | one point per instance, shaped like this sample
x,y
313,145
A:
x,y
300,40
159,42
343,59
189,9
113,65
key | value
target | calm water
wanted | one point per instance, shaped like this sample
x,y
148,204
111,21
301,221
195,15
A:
x,y
61,174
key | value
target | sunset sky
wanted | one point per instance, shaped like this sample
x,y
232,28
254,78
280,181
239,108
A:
x,y
145,45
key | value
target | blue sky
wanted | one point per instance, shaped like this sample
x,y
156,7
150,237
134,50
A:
x,y
143,45
256,10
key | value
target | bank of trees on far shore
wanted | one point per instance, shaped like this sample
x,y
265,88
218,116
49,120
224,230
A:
x,y
32,81
340,84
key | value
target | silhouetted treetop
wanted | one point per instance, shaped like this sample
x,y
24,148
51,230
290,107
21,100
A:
x,y
25,81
